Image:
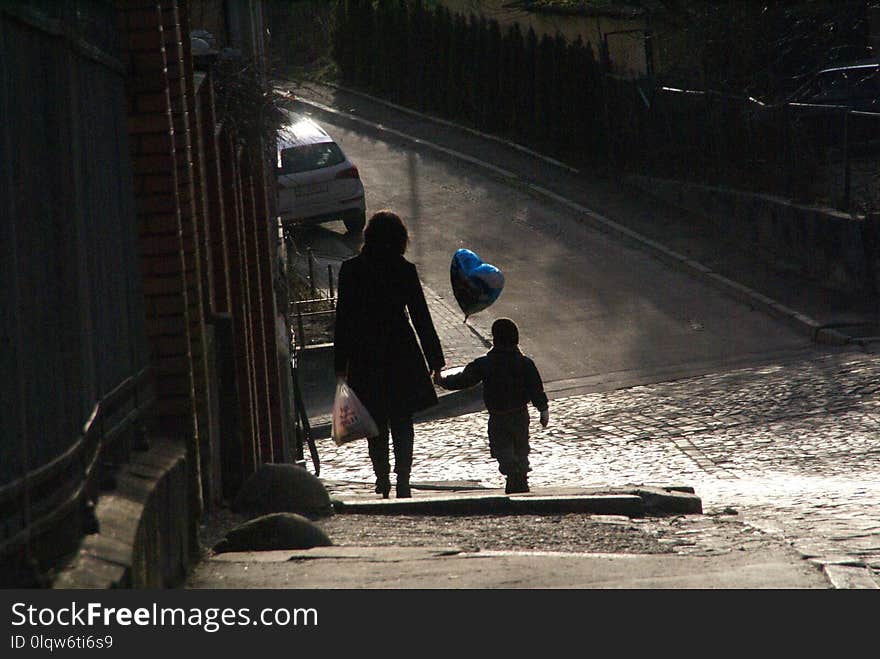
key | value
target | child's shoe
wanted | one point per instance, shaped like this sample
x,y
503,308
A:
x,y
517,483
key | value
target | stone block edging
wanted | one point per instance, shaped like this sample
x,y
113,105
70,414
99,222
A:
x,y
634,502
821,243
144,538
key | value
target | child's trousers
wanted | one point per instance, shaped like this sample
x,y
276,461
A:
x,y
509,441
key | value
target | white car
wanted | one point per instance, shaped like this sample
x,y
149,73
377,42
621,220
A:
x,y
316,181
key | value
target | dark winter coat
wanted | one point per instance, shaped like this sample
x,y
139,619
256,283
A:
x,y
510,380
374,342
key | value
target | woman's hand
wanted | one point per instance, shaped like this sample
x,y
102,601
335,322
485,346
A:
x,y
437,377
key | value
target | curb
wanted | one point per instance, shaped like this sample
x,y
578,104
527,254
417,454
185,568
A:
x,y
849,577
482,504
631,503
666,501
846,573
446,122
798,321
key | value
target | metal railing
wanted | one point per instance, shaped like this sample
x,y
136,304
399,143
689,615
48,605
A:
x,y
817,154
302,315
316,308
299,341
37,502
72,299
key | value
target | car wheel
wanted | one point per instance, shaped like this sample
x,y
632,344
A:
x,y
356,224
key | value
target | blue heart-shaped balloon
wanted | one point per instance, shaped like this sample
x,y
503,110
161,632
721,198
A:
x,y
475,284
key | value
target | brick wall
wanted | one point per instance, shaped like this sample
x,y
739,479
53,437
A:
x,y
204,213
150,40
154,161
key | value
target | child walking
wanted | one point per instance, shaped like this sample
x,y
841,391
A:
x,y
510,380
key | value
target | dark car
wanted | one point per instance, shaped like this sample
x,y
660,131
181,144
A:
x,y
854,86
838,108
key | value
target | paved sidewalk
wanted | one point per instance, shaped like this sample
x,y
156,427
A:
x,y
478,545
792,446
448,567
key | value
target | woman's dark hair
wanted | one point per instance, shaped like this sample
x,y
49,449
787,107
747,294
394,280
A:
x,y
386,233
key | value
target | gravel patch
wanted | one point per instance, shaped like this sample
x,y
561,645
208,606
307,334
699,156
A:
x,y
573,533
561,533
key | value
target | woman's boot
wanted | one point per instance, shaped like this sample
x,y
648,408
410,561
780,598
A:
x,y
402,488
383,485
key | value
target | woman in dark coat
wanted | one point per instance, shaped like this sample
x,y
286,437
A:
x,y
375,348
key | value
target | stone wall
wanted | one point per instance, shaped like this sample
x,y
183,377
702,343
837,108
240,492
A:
x,y
819,243
144,538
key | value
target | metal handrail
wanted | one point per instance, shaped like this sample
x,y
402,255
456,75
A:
x,y
316,313
86,451
312,300
43,472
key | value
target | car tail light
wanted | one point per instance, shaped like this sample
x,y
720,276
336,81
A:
x,y
351,172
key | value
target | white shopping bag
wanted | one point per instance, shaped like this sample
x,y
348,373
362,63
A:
x,y
351,420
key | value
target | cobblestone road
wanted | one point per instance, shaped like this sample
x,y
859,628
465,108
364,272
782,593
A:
x,y
792,446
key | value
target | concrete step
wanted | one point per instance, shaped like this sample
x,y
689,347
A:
x,y
632,502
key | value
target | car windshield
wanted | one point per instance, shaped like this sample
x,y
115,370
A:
x,y
841,86
867,84
829,87
310,156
